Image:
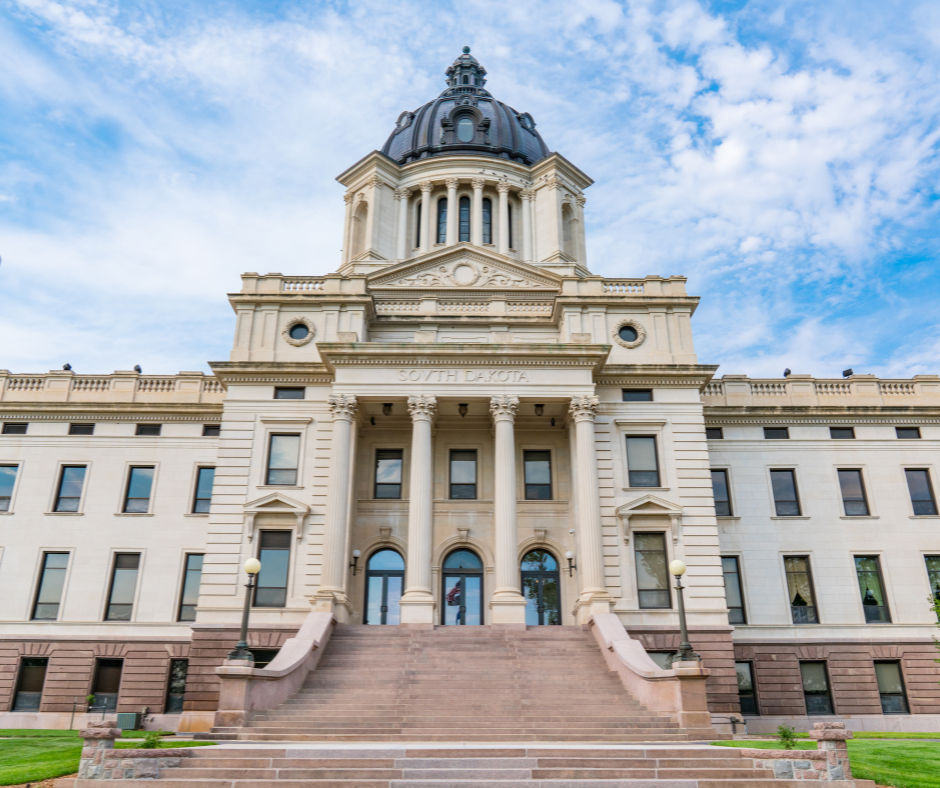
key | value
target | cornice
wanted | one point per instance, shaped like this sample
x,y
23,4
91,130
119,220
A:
x,y
271,372
656,375
110,411
822,414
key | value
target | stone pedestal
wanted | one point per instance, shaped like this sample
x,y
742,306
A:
x,y
831,737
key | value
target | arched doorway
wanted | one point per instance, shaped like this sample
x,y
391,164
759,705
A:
x,y
385,575
540,584
463,588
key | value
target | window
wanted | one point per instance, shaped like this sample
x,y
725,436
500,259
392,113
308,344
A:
x,y
786,500
264,656
777,433
418,225
176,686
663,659
853,492
139,487
189,597
283,457
81,429
746,692
891,688
871,586
733,594
465,124
69,494
298,331
7,481
149,429
15,428
637,395
442,220
643,467
463,474
509,226
908,433
538,475
123,587
933,574
29,684
284,392
720,491
211,430
464,219
842,433
107,684
487,220
274,555
800,589
51,584
918,482
203,500
388,468
816,688
714,433
652,579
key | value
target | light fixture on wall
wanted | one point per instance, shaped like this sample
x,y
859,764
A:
x,y
685,653
355,561
387,409
462,409
539,410
571,564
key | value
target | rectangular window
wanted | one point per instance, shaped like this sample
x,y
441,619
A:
x,y
283,458
853,492
274,555
463,475
29,683
149,429
51,584
721,493
15,428
933,574
871,587
714,433
123,587
642,463
652,578
388,471
107,684
637,395
747,694
733,593
203,499
211,430
891,688
7,481
786,500
777,433
908,433
538,475
176,686
800,589
842,433
918,482
81,429
69,495
283,392
189,597
816,688
663,659
139,487
264,656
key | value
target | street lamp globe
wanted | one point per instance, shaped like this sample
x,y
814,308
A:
x,y
677,568
252,566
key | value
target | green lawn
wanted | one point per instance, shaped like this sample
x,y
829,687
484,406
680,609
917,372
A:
x,y
898,763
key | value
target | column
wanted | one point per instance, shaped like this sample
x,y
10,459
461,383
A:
x,y
331,596
503,188
347,231
476,214
453,210
508,604
582,230
527,196
402,195
417,603
425,230
590,559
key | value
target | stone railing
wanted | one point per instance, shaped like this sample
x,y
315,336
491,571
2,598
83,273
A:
x,y
623,286
805,390
100,761
828,763
67,386
296,284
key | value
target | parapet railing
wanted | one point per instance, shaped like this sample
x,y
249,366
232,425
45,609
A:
x,y
67,386
807,390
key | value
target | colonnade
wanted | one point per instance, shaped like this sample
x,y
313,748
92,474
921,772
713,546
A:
x,y
506,602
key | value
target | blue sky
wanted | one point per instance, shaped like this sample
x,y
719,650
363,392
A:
x,y
782,155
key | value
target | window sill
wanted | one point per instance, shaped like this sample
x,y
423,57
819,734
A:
x,y
196,514
727,517
639,489
279,487
59,514
912,517
791,517
3,513
133,514
860,517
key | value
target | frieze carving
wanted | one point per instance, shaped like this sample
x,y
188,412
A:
x,y
343,406
583,408
503,406
466,273
422,406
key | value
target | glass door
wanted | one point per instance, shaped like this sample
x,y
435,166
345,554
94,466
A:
x,y
463,588
385,576
540,583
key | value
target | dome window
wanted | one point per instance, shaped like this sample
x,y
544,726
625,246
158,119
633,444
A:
x,y
487,220
466,79
464,219
442,220
465,129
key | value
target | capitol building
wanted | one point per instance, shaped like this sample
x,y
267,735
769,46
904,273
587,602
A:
x,y
464,448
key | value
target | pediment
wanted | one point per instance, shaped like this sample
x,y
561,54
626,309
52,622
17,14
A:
x,y
464,268
649,505
276,503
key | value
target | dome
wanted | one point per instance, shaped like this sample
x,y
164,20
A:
x,y
465,118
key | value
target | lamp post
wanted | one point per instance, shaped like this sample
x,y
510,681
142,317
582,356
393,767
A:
x,y
252,567
685,653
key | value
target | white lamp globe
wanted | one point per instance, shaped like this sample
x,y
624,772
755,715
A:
x,y
252,566
677,568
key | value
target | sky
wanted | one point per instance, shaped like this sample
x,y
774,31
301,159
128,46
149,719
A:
x,y
781,155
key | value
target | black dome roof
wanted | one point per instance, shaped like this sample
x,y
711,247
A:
x,y
465,118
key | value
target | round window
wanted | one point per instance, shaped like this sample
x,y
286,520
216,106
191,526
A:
x,y
299,331
465,130
628,334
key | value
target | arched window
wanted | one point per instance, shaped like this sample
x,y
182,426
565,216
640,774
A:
x,y
567,229
540,583
442,220
465,129
487,220
466,79
464,218
418,225
509,225
385,575
463,588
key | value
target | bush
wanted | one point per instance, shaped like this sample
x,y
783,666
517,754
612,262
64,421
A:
x,y
786,736
151,741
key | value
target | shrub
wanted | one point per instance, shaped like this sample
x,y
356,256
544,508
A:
x,y
151,741
786,736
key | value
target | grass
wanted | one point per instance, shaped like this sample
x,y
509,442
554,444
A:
x,y
897,763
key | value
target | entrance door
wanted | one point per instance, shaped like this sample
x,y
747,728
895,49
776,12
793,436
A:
x,y
385,575
463,588
540,582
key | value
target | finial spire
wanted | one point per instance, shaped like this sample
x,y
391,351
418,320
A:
x,y
466,73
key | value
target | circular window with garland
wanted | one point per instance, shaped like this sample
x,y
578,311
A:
x,y
629,333
299,331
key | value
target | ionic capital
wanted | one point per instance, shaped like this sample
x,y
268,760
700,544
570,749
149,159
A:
x,y
452,183
478,183
502,187
426,186
422,407
342,406
583,408
503,407
402,194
